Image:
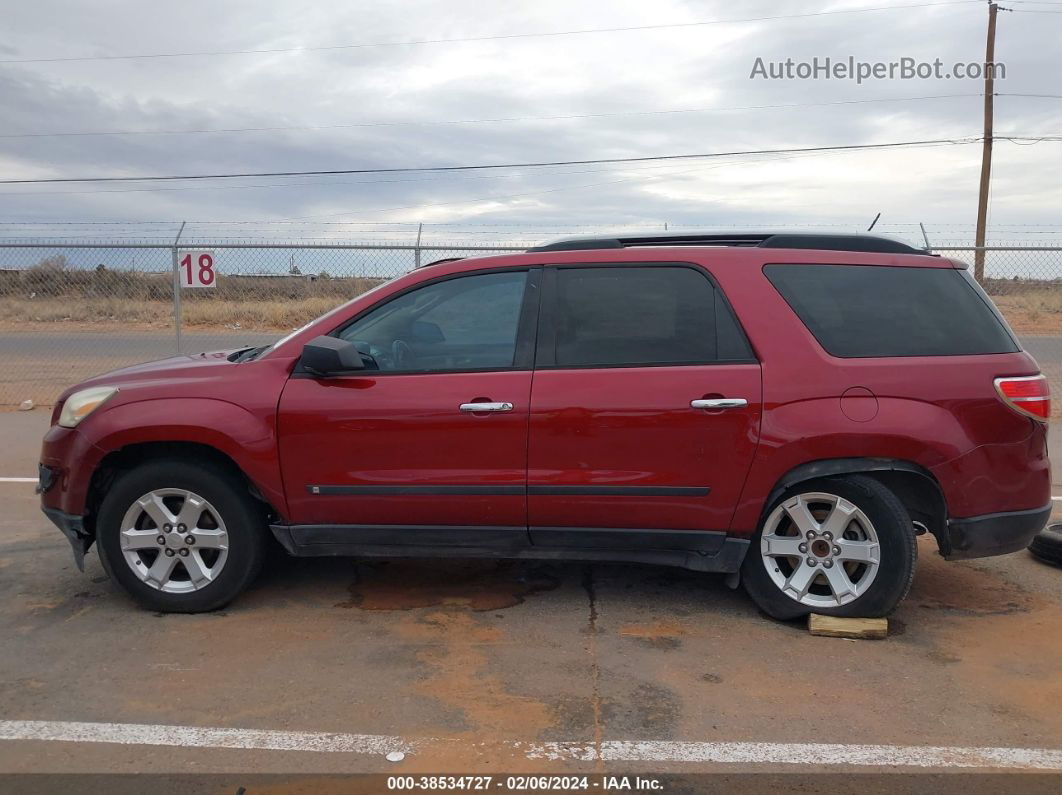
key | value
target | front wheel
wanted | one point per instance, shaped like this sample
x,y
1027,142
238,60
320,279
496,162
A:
x,y
841,546
180,538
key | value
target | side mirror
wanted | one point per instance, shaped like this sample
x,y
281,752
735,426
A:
x,y
330,356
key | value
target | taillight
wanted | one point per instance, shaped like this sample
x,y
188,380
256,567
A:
x,y
1028,395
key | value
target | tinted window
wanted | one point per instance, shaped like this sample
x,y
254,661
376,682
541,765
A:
x,y
466,323
634,315
872,310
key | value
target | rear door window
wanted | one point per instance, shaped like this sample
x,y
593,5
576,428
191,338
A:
x,y
863,311
625,316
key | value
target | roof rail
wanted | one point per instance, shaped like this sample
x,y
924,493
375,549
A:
x,y
804,240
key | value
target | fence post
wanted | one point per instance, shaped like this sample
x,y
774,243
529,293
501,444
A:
x,y
177,290
416,251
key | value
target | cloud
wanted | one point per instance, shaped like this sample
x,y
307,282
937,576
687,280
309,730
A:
x,y
696,67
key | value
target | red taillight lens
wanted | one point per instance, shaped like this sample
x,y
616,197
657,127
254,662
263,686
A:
x,y
1029,395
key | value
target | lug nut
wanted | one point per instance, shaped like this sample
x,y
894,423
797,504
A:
x,y
161,540
811,561
836,550
169,553
184,552
167,528
189,539
825,564
182,528
802,547
828,535
811,533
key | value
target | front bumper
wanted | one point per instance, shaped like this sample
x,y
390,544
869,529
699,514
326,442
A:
x,y
73,527
994,533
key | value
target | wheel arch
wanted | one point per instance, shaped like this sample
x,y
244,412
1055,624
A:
x,y
137,453
914,485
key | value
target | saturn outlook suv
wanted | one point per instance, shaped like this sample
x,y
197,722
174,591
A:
x,y
790,410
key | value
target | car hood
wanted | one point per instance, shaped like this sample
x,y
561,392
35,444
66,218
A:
x,y
169,373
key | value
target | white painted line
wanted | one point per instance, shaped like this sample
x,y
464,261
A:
x,y
814,754
18,480
196,737
810,754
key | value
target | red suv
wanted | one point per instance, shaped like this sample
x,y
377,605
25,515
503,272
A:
x,y
791,410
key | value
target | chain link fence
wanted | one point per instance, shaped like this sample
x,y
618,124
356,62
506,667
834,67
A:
x,y
72,309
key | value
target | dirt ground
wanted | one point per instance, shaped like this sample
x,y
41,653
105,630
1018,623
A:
x,y
475,662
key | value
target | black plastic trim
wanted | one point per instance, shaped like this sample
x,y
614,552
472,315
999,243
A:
x,y
415,490
470,490
46,478
995,533
399,536
621,491
73,527
697,550
799,240
705,542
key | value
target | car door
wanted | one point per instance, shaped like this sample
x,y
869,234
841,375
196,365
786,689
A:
x,y
427,444
645,409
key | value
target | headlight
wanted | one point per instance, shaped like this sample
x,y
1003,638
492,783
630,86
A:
x,y
80,404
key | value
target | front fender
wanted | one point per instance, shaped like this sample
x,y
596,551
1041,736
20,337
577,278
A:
x,y
249,440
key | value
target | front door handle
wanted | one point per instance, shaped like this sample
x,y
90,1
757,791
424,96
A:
x,y
719,403
475,408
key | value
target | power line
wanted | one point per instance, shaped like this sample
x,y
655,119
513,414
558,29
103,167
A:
x,y
464,39
327,183
1041,96
498,120
786,154
543,164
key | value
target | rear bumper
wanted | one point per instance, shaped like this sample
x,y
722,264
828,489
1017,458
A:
x,y
994,533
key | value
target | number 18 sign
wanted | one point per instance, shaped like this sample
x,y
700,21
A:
x,y
197,269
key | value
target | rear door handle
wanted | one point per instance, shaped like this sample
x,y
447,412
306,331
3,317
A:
x,y
719,403
475,408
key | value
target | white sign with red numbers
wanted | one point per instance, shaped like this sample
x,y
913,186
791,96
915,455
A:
x,y
196,269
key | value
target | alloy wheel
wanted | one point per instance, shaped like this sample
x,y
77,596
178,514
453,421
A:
x,y
174,540
820,550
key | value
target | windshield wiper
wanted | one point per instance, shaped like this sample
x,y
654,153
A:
x,y
247,354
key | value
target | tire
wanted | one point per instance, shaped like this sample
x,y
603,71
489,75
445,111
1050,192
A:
x,y
227,535
871,581
1047,546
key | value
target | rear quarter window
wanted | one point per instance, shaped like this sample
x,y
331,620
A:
x,y
862,311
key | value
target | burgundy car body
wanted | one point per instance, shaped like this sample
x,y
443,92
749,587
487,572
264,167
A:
x,y
370,462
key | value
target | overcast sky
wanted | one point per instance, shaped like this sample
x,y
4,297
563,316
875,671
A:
x,y
404,94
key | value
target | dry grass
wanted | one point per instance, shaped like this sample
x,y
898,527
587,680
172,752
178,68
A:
x,y
1029,312
269,315
1032,312
53,293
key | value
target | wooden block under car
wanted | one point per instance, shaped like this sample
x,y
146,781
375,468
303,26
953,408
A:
x,y
833,627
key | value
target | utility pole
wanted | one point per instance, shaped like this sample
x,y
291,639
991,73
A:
x,y
986,153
